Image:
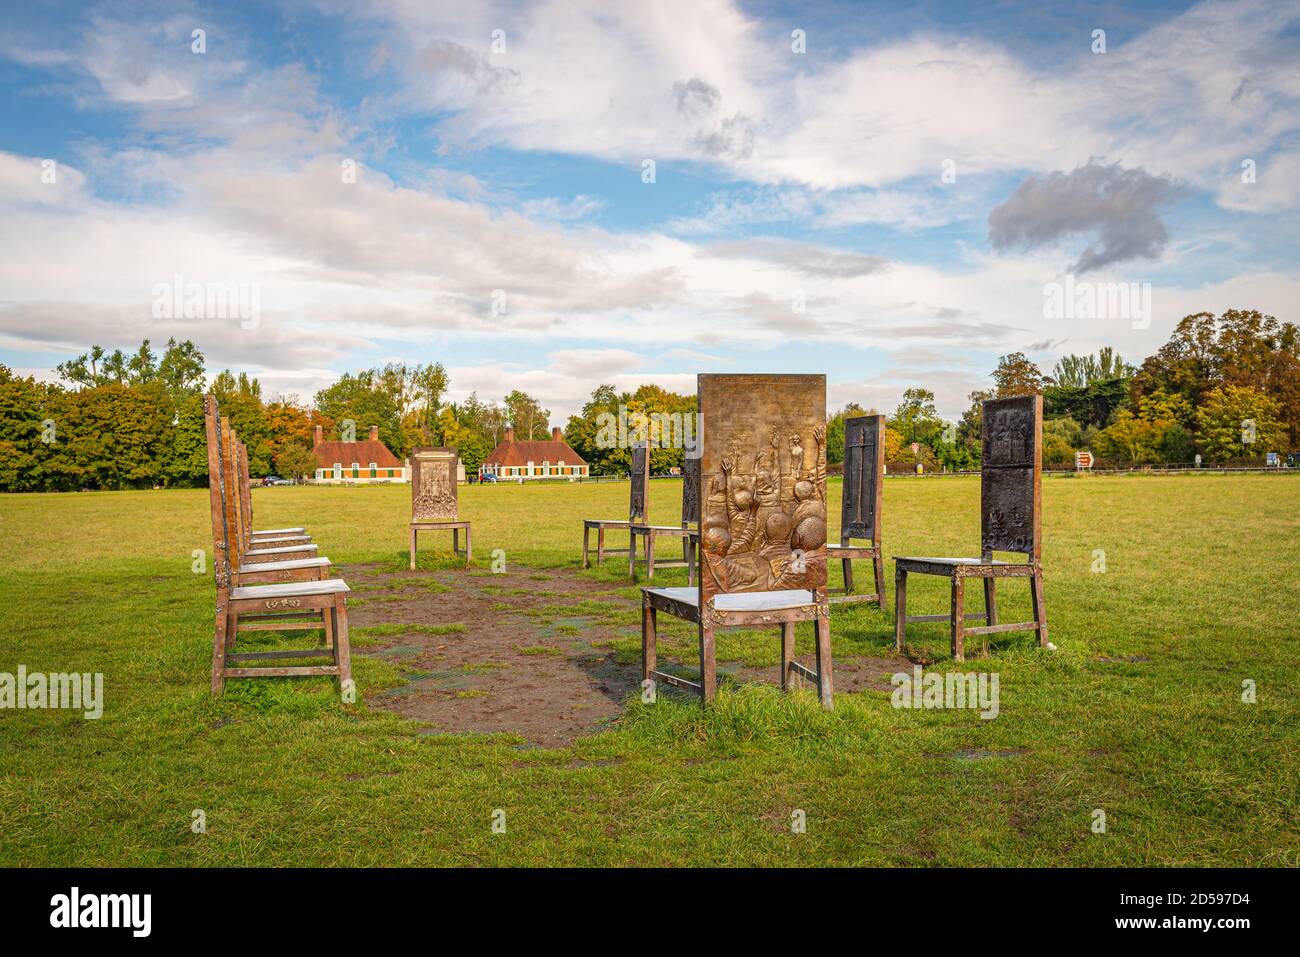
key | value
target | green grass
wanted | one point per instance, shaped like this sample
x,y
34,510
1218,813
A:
x,y
1202,580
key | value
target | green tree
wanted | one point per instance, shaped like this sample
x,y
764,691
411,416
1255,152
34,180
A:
x,y
1239,421
527,417
295,461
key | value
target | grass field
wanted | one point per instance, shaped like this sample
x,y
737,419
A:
x,y
1139,712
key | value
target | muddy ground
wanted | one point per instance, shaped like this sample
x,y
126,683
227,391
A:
x,y
524,652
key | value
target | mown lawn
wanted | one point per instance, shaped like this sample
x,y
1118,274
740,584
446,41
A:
x,y
1201,591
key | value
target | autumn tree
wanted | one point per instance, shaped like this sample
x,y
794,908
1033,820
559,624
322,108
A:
x,y
1016,375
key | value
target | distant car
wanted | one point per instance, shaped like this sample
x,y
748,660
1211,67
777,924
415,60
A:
x,y
275,480
488,477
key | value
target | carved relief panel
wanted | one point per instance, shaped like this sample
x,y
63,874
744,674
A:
x,y
762,483
864,462
1011,474
691,490
639,505
433,484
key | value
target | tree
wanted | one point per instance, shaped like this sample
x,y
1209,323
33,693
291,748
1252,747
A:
x,y
526,415
1078,371
1016,375
916,419
1150,432
366,399
1236,421
1239,348
835,432
295,461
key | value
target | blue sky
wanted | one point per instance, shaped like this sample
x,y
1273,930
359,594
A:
x,y
885,206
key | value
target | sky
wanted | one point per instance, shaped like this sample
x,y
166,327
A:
x,y
550,196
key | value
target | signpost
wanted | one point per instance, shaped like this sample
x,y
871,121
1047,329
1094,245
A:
x,y
1082,459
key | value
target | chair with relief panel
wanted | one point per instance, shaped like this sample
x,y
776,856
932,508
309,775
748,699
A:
x,y
860,508
762,519
1011,483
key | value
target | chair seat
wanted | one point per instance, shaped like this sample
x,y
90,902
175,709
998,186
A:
x,y
278,540
278,531
848,548
285,566
281,551
331,586
664,528
957,561
742,600
607,522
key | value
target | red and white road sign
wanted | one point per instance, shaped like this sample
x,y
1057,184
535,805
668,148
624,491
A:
x,y
1083,459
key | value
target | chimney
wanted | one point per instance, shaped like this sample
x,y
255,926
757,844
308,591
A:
x,y
557,435
374,433
510,433
320,435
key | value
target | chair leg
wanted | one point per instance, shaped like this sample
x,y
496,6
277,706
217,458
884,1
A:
x,y
600,545
787,653
327,620
342,645
900,608
455,541
650,555
708,666
631,556
586,545
469,545
991,600
1040,606
958,622
649,640
219,652
690,562
413,534
825,688
848,575
879,564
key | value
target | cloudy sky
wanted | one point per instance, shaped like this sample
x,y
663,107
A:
x,y
879,192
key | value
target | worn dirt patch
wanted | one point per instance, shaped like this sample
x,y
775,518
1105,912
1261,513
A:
x,y
523,652
482,656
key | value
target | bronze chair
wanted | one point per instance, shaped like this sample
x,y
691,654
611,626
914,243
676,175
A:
x,y
690,537
434,498
762,515
288,563
860,506
1011,481
290,606
638,510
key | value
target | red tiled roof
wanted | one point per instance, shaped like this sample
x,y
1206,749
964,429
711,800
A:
x,y
363,453
521,453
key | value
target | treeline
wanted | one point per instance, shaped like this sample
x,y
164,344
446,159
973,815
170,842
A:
x,y
136,421
1225,387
